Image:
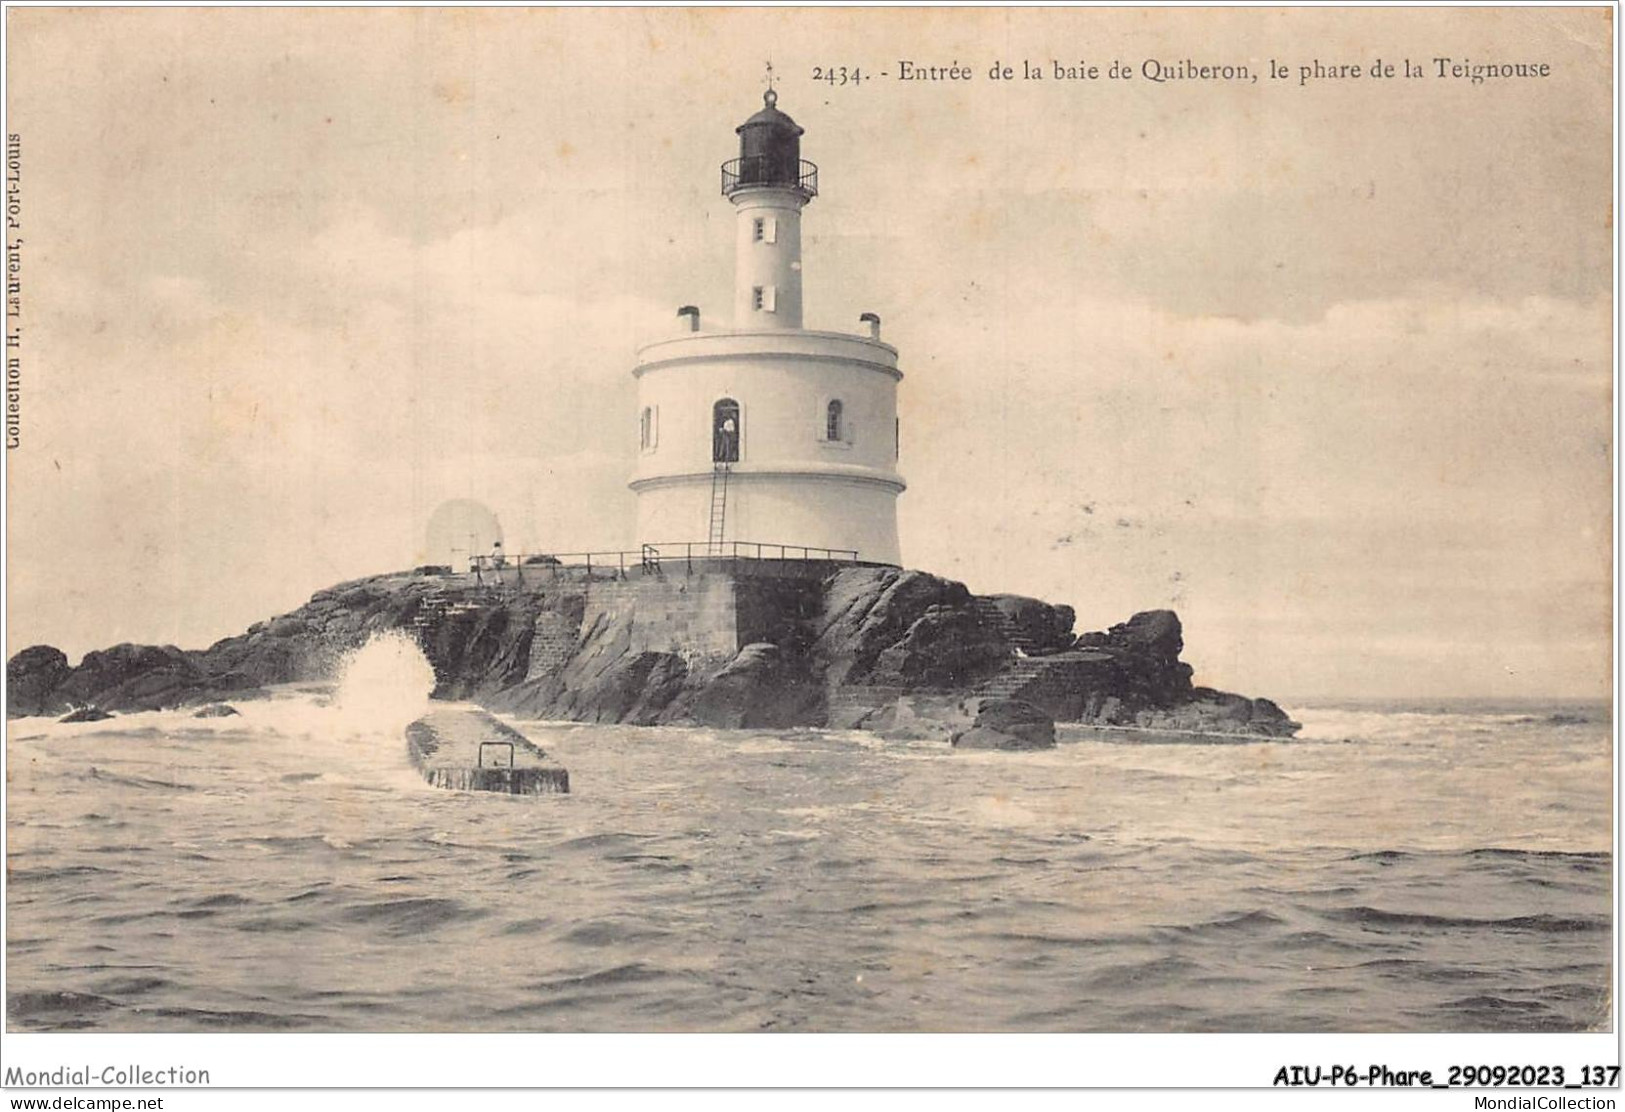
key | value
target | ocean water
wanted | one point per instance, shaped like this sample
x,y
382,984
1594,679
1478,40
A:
x,y
1423,869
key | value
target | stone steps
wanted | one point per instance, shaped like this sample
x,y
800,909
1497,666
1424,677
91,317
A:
x,y
1010,682
1023,672
988,611
435,608
430,608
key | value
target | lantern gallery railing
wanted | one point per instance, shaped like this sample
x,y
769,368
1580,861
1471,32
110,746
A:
x,y
764,170
652,556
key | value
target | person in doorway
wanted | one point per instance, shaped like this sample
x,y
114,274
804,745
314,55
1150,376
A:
x,y
727,444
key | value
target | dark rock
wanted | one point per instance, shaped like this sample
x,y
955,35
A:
x,y
1267,713
477,650
846,648
605,679
868,610
478,641
432,569
1046,628
1156,633
633,688
261,660
32,679
289,625
662,684
946,647
123,678
1147,648
980,737
217,710
538,698
136,677
919,718
360,595
757,689
85,714
1211,711
236,684
1007,724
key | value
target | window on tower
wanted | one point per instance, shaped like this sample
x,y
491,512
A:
x,y
832,421
759,230
649,428
756,297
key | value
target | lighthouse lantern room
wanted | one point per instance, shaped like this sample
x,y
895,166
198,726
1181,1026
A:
x,y
768,432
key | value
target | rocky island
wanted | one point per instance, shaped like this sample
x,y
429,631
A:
x,y
733,644
740,634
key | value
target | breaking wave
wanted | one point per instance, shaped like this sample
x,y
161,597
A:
x,y
383,686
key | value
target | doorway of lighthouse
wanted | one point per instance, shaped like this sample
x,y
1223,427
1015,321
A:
x,y
725,431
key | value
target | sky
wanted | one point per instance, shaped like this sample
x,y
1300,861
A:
x,y
1326,367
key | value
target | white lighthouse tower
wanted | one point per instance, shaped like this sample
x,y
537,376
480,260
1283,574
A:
x,y
769,433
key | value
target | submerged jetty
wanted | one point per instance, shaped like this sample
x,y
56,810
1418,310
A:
x,y
465,749
739,641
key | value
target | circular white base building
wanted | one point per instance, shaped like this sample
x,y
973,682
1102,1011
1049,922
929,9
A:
x,y
769,433
814,444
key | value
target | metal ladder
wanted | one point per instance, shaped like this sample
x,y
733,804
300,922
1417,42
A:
x,y
719,507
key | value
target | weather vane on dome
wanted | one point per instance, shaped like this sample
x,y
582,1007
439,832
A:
x,y
770,96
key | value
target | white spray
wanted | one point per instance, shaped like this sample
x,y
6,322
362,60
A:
x,y
383,686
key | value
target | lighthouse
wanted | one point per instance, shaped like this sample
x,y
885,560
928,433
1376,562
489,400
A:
x,y
768,433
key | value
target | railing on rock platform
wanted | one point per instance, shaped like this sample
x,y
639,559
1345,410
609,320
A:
x,y
651,557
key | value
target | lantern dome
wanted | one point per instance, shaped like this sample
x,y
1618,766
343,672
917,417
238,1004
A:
x,y
769,154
